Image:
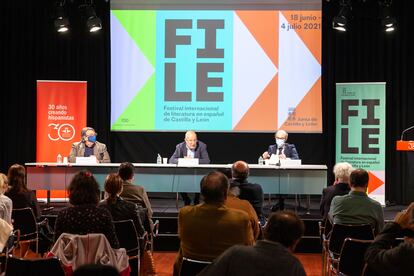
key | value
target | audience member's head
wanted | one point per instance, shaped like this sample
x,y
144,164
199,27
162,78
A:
x,y
83,189
342,171
17,178
4,183
284,227
359,179
126,171
113,186
214,187
240,170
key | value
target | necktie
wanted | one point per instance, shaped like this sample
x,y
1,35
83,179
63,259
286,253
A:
x,y
280,151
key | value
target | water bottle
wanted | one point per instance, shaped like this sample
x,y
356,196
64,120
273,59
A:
x,y
159,159
260,160
59,158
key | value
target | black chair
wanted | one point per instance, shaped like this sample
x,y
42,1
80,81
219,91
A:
x,y
25,222
351,259
325,228
338,235
38,267
130,240
191,267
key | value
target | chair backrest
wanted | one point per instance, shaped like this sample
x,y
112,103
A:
x,y
351,260
25,221
342,231
25,267
127,236
190,267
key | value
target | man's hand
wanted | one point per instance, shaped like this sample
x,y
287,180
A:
x,y
266,155
405,218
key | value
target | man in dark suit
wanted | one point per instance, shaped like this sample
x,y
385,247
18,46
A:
x,y
190,148
284,151
340,187
281,148
249,191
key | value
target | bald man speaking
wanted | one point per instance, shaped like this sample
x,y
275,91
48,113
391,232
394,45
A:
x,y
190,148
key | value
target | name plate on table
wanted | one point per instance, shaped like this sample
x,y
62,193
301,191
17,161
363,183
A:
x,y
187,162
91,160
273,160
290,162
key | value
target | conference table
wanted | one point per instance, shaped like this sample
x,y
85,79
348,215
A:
x,y
290,180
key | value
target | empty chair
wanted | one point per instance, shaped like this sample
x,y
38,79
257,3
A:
x,y
190,267
351,259
342,231
76,250
25,222
129,239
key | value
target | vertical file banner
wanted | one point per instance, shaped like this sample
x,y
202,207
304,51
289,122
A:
x,y
360,131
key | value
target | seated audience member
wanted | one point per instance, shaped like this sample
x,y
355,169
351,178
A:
x,y
271,256
6,204
233,202
385,260
206,230
84,216
119,208
251,192
356,207
190,148
88,146
340,187
18,192
135,193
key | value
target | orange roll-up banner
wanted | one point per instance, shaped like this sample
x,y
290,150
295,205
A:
x,y
61,114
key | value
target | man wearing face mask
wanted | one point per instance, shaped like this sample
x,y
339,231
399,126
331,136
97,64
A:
x,y
89,146
284,151
281,148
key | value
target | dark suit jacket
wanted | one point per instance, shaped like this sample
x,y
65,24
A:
x,y
200,153
251,192
329,193
289,150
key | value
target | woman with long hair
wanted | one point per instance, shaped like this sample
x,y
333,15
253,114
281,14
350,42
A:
x,y
18,192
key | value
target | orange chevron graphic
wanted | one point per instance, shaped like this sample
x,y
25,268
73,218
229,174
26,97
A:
x,y
262,114
374,183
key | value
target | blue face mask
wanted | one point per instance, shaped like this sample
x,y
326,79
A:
x,y
280,142
92,138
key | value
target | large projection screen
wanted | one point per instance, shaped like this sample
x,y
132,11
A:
x,y
231,66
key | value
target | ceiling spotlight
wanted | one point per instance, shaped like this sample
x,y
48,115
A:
x,y
93,22
388,21
61,21
340,22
